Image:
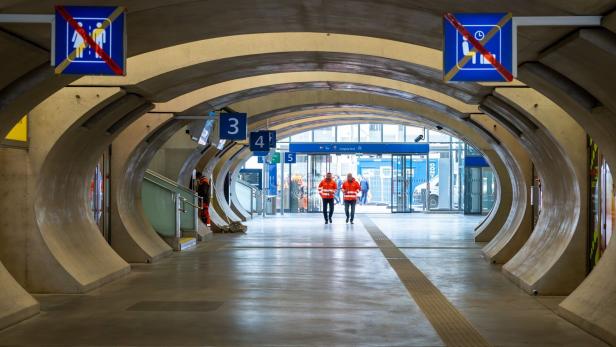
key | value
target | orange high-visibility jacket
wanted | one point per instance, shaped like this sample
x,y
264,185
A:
x,y
350,190
327,189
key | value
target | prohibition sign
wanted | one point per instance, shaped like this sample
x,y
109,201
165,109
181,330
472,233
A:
x,y
89,41
478,47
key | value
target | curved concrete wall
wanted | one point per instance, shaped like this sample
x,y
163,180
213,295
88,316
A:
x,y
132,236
591,305
185,175
235,204
219,203
552,261
69,131
518,225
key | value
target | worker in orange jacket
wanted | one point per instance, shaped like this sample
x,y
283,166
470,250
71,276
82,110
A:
x,y
327,189
350,190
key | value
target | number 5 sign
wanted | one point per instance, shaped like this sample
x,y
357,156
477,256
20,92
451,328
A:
x,y
259,141
233,126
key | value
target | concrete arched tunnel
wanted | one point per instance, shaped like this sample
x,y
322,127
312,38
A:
x,y
323,65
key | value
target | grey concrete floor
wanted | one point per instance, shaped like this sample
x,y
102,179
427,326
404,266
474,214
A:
x,y
292,281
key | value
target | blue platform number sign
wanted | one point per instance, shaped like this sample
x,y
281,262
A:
x,y
272,138
89,40
259,141
290,158
233,126
477,47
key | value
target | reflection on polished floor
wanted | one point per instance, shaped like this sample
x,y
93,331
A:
x,y
292,281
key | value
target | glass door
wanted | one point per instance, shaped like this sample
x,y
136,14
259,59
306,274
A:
x,y
472,192
318,166
401,178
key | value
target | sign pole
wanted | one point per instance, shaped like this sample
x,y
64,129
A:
x,y
584,21
282,188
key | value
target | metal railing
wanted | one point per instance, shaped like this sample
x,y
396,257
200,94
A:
x,y
178,201
251,197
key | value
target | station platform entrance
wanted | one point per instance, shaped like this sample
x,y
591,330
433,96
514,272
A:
x,y
436,181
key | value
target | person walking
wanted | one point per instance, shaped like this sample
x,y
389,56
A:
x,y
365,187
327,189
203,190
350,188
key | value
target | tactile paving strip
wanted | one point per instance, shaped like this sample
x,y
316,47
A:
x,y
453,328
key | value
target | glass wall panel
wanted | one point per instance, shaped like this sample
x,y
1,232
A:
x,y
488,189
393,133
302,137
348,133
325,134
370,132
439,171
435,136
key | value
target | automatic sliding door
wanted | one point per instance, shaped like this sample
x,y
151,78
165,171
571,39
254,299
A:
x,y
318,166
401,183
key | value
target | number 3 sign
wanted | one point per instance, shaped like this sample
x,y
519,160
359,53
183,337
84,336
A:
x,y
233,126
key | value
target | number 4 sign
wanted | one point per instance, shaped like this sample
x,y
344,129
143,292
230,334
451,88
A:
x,y
233,126
259,141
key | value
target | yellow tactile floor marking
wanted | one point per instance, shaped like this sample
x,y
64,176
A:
x,y
453,328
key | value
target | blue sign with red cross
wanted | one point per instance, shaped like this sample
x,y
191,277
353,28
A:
x,y
477,47
89,40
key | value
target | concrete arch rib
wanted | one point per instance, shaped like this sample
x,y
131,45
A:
x,y
71,255
237,207
591,304
551,261
518,226
133,238
219,201
190,163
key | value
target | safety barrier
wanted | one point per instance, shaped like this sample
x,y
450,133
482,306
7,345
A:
x,y
170,208
249,196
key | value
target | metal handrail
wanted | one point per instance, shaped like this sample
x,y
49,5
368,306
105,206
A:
x,y
186,201
168,181
158,184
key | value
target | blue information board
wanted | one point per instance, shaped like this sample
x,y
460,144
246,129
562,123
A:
x,y
259,141
475,161
290,158
272,189
272,138
89,40
477,47
233,126
377,148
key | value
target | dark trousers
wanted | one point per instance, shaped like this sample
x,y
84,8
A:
x,y
330,203
351,204
363,199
